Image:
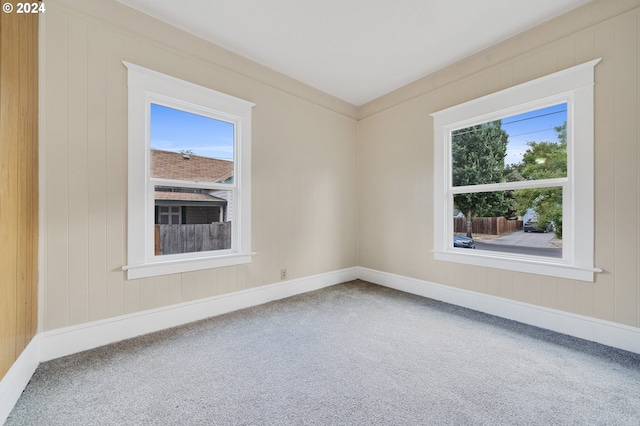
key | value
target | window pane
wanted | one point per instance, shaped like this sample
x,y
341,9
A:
x,y
528,146
192,147
526,221
200,220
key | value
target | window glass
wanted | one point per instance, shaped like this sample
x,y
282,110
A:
x,y
537,141
195,220
169,215
191,147
513,172
189,174
528,146
525,147
535,232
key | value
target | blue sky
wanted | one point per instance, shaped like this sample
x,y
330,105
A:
x,y
175,130
535,126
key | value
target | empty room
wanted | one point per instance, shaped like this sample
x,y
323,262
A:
x,y
320,212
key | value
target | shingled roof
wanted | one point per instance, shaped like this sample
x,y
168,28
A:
x,y
173,165
186,196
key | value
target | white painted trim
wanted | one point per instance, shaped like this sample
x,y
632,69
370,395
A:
x,y
573,86
605,332
17,378
175,266
529,264
509,101
145,87
70,340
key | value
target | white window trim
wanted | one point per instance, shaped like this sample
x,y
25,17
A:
x,y
574,86
146,86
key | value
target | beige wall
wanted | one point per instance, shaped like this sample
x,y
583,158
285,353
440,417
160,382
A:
x,y
304,176
396,153
329,192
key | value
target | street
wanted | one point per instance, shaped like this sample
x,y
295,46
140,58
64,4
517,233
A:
x,y
520,242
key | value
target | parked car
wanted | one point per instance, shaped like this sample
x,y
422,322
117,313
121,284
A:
x,y
463,242
534,226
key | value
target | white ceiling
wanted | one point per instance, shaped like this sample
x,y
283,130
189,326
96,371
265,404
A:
x,y
356,50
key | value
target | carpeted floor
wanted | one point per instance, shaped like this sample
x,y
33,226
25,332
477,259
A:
x,y
354,353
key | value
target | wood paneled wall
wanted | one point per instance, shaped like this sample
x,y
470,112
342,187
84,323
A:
x,y
303,165
18,184
601,29
318,174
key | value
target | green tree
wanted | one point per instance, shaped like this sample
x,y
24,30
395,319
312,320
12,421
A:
x,y
478,154
513,172
544,160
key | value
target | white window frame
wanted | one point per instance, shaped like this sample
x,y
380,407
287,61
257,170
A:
x,y
145,87
573,86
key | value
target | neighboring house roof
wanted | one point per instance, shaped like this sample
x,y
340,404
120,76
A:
x,y
173,165
185,196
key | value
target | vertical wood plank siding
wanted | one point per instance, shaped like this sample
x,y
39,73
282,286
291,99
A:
x,y
605,29
18,184
324,184
303,163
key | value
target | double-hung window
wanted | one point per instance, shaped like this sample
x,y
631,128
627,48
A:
x,y
189,199
513,178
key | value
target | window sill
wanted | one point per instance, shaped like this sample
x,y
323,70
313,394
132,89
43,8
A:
x,y
175,266
531,265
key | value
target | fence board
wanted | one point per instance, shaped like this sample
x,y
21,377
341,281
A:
x,y
193,238
190,240
487,225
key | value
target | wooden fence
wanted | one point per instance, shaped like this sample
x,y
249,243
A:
x,y
171,239
487,225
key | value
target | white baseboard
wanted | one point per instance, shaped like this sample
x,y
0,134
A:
x,y
605,332
17,378
70,340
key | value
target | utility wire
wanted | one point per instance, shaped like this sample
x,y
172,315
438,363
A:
x,y
471,130
531,118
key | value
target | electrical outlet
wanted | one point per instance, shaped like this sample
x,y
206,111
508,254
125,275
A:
x,y
283,274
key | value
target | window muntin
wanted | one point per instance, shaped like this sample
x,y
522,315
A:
x,y
191,152
169,215
176,130
571,89
195,149
518,149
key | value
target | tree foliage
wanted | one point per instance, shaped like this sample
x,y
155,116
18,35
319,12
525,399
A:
x,y
543,160
478,154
